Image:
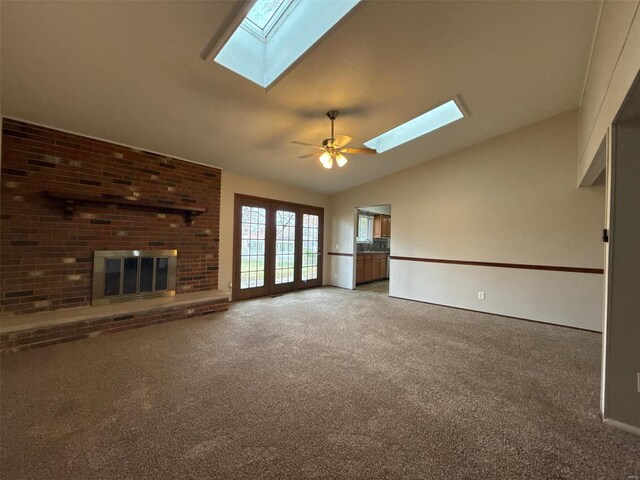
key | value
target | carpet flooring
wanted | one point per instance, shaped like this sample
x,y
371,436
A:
x,y
377,287
319,384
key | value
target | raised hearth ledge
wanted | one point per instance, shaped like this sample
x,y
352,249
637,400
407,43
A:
x,y
18,323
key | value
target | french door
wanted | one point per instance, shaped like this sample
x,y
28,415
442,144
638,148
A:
x,y
277,247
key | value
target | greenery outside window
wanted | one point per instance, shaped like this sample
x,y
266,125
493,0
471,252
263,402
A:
x,y
365,228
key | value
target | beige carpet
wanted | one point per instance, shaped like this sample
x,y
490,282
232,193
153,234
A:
x,y
322,384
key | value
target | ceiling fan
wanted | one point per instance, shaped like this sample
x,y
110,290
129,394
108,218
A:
x,y
334,147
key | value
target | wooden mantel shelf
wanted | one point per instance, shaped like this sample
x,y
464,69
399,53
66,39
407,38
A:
x,y
70,199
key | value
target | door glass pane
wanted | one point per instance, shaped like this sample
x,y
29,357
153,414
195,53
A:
x,y
162,273
285,246
112,276
252,251
310,233
146,274
130,276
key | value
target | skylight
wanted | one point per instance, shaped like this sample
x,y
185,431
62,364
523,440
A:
x,y
275,33
429,121
263,11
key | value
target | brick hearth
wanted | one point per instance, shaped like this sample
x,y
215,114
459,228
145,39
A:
x,y
48,328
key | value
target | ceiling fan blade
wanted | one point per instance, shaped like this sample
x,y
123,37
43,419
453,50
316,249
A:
x,y
341,140
308,145
359,151
314,154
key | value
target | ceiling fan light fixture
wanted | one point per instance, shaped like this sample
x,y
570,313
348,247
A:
x,y
332,148
325,159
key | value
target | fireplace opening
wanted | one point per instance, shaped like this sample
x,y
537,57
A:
x,y
123,275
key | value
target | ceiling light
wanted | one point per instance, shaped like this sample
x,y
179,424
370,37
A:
x,y
341,160
429,121
325,158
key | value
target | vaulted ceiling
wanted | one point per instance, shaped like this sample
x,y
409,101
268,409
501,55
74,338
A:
x,y
133,72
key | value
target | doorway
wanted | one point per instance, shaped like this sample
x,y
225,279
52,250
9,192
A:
x,y
621,357
373,247
277,247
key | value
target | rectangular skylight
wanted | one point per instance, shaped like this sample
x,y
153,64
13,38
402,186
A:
x,y
262,11
275,33
429,121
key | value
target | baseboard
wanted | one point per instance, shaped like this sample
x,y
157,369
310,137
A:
x,y
622,426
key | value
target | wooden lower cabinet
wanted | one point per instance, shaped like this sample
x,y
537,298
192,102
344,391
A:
x,y
367,271
375,269
359,269
371,267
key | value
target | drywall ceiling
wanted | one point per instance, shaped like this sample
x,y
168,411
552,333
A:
x,y
132,72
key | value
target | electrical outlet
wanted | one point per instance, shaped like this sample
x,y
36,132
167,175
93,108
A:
x,y
337,247
480,295
335,276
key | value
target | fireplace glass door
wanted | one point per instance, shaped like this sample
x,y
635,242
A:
x,y
121,275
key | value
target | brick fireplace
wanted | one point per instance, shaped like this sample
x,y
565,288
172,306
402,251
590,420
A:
x,y
105,197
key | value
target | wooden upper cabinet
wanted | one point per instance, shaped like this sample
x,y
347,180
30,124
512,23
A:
x,y
386,226
377,226
381,226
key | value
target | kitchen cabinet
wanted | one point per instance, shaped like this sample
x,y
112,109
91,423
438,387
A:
x,y
375,269
371,267
386,226
359,269
367,270
381,226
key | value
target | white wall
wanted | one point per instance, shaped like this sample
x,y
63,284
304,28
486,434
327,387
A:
x,y
232,184
614,64
512,199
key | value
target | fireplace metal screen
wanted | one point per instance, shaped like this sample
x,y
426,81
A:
x,y
123,275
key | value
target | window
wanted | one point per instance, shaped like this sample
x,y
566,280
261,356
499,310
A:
x,y
265,15
365,228
263,11
276,33
253,229
429,121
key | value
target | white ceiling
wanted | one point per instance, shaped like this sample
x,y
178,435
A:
x,y
132,72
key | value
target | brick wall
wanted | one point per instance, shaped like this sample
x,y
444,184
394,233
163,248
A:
x,y
46,261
